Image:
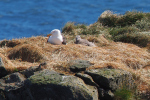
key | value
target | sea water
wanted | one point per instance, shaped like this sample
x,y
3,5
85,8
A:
x,y
26,18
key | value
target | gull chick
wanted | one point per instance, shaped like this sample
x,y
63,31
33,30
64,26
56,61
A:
x,y
84,42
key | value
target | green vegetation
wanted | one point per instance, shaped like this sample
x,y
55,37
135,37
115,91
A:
x,y
129,35
113,20
15,70
43,78
128,28
70,26
124,94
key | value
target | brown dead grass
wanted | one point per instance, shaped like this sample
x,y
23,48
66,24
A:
x,y
7,43
32,51
7,63
26,52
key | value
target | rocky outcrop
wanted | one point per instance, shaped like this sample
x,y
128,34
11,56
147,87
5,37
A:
x,y
46,85
36,83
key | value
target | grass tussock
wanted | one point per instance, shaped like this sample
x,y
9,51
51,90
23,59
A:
x,y
26,52
113,20
7,63
124,94
11,43
70,27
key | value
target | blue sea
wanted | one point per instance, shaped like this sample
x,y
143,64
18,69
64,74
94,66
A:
x,y
27,18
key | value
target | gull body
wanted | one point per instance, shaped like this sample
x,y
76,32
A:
x,y
56,38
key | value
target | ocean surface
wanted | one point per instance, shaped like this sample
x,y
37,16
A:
x,y
27,18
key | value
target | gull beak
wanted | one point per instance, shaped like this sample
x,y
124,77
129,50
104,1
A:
x,y
49,35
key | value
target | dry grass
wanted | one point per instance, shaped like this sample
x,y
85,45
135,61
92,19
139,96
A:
x,y
32,51
26,52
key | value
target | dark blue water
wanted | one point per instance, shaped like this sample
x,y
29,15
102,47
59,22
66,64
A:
x,y
26,18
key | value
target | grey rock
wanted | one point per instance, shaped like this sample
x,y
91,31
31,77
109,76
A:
x,y
87,79
12,81
14,77
79,65
31,70
105,94
3,71
2,97
111,79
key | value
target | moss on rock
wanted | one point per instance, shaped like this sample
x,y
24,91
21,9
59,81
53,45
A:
x,y
111,78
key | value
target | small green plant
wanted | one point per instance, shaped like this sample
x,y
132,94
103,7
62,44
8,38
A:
x,y
83,26
138,39
123,94
118,30
129,18
90,31
143,24
109,21
69,27
129,35
16,70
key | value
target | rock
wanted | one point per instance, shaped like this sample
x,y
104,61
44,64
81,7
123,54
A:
x,y
111,79
79,65
11,82
105,94
50,85
14,77
3,71
1,97
60,87
30,71
87,79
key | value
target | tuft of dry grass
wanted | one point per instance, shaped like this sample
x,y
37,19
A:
x,y
26,52
7,63
11,43
99,40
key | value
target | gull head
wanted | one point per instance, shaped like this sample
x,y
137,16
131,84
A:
x,y
54,32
